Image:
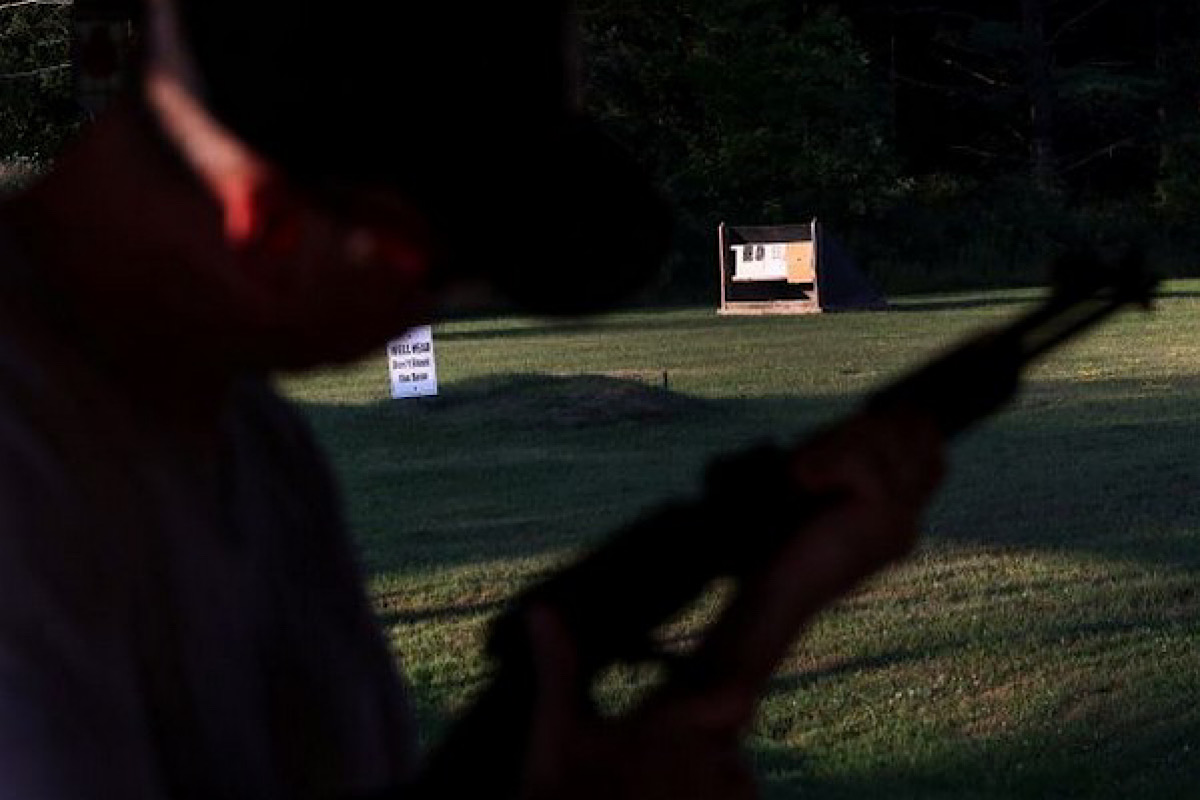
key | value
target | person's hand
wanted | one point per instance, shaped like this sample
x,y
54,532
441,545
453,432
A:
x,y
874,476
674,745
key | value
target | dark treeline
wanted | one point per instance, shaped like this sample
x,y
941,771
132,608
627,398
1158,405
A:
x,y
950,143
37,109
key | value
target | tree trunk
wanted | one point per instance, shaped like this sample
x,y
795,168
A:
x,y
1039,85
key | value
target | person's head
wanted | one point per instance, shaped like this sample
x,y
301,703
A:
x,y
422,142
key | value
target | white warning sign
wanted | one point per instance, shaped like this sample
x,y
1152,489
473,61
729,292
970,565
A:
x,y
411,364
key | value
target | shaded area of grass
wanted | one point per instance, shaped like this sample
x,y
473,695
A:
x,y
553,461
1045,642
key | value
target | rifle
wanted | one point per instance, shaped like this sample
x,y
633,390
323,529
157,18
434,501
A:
x,y
613,599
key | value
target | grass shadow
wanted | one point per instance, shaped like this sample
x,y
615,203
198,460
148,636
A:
x,y
959,303
1107,467
524,465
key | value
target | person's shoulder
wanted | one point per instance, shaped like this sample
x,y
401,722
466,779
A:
x,y
52,487
53,471
33,351
276,443
260,413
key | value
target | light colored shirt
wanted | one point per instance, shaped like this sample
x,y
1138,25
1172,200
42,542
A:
x,y
166,631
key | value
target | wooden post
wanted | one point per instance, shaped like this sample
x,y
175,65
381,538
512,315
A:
x,y
816,250
721,261
1039,84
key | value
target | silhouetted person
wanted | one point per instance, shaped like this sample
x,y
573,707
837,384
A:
x,y
291,184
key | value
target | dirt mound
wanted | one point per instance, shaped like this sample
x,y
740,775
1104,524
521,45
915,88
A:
x,y
577,400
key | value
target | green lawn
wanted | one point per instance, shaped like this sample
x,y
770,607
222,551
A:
x,y
1045,641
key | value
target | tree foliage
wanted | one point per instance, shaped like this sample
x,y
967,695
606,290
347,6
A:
x,y
960,137
37,108
749,110
933,131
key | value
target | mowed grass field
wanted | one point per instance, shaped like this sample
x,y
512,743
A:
x,y
1043,642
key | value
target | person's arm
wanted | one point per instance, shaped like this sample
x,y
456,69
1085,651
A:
x,y
685,740
69,722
